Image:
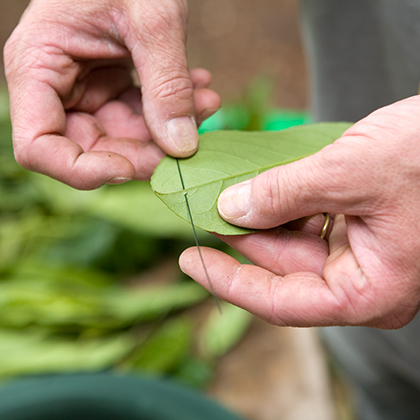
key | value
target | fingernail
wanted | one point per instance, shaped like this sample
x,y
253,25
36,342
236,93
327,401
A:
x,y
235,201
118,180
182,131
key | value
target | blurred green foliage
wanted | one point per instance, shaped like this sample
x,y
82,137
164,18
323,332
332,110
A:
x,y
255,111
72,296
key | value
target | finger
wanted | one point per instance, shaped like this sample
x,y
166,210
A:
x,y
132,97
206,102
200,78
158,49
311,224
301,299
345,296
83,129
87,131
120,120
144,156
64,160
39,123
98,87
338,237
326,182
282,251
124,117
40,144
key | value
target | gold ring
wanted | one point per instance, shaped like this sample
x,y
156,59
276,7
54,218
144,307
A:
x,y
326,226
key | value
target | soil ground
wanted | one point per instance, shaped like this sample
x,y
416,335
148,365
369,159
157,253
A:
x,y
275,373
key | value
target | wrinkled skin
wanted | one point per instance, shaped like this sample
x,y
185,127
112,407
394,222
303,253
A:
x,y
76,113
368,273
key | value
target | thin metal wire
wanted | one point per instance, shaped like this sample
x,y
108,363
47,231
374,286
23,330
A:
x,y
210,284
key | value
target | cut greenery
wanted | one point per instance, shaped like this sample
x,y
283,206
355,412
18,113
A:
x,y
89,279
225,158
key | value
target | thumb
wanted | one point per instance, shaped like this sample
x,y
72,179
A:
x,y
324,182
156,40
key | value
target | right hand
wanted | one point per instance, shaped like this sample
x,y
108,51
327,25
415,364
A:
x,y
368,272
76,114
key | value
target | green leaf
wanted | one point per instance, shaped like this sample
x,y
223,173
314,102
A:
x,y
225,158
223,331
33,352
61,198
76,299
166,348
134,206
147,303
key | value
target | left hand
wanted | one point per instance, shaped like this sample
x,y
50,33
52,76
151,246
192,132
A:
x,y
76,114
368,273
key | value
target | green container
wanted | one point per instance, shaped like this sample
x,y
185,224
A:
x,y
104,397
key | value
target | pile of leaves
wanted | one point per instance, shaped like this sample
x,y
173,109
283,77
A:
x,y
89,281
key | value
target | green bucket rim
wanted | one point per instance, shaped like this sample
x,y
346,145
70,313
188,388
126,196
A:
x,y
105,396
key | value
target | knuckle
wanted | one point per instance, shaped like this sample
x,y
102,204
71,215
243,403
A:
x,y
270,194
274,192
177,87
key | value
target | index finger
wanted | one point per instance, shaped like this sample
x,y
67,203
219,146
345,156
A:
x,y
300,299
39,124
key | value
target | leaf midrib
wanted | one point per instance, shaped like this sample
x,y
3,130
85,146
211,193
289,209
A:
x,y
260,170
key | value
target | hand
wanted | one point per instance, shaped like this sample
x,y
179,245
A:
x,y
369,271
76,114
